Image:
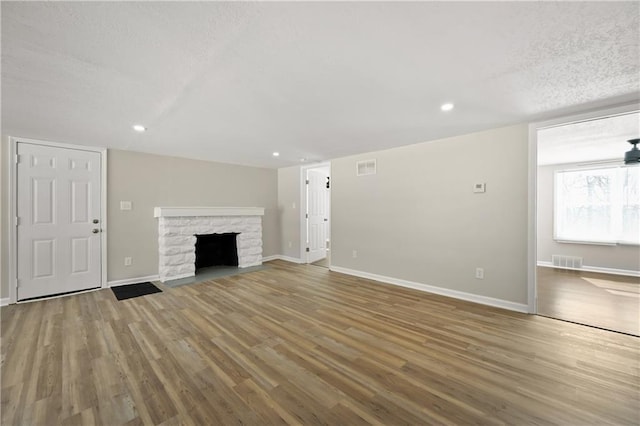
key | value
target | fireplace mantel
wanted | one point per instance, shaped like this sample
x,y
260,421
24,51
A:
x,y
207,211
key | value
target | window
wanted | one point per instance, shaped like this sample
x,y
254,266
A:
x,y
598,205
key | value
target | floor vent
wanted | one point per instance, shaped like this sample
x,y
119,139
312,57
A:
x,y
561,261
366,167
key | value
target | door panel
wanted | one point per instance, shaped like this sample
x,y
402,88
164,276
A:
x,y
43,201
80,249
44,254
80,202
58,199
317,209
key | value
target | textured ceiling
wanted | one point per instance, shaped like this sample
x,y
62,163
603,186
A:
x,y
593,140
234,82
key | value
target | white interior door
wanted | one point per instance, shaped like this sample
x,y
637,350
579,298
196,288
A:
x,y
59,220
318,215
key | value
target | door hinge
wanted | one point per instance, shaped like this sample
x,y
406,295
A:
x,y
307,181
307,250
17,221
306,215
17,158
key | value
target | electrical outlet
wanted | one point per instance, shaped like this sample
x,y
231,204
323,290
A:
x,y
125,205
480,273
127,261
355,254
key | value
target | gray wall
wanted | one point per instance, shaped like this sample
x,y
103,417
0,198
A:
x,y
150,181
617,257
418,219
289,180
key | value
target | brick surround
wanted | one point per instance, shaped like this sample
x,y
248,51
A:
x,y
176,236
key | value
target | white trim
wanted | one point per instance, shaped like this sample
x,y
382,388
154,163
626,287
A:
x,y
599,269
594,113
292,259
587,243
4,301
58,144
207,211
303,212
13,206
103,213
136,280
283,257
532,230
483,300
13,214
532,233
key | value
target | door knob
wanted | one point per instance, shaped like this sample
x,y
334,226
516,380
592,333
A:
x,y
95,221
95,230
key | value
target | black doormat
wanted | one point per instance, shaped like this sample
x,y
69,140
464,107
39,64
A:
x,y
123,292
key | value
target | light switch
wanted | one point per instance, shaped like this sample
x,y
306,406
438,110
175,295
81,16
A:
x,y
125,205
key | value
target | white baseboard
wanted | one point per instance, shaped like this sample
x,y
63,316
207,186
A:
x,y
4,301
470,297
612,271
292,259
136,280
282,257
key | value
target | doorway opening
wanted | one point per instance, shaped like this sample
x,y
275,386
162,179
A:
x,y
588,222
316,223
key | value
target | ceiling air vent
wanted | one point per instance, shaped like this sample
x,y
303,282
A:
x,y
366,167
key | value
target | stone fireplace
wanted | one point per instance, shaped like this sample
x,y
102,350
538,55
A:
x,y
178,227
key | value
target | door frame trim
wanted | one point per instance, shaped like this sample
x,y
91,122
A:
x,y
13,207
303,206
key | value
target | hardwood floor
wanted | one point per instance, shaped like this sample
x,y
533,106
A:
x,y
296,344
608,301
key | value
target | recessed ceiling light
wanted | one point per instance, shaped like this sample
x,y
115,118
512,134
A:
x,y
276,154
446,107
139,128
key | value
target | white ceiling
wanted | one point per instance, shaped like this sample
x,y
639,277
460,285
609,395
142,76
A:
x,y
235,81
593,140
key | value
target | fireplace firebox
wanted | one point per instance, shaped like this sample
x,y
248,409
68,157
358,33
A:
x,y
216,250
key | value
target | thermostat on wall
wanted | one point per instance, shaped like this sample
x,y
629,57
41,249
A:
x,y
479,187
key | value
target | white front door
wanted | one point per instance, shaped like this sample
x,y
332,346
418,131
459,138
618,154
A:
x,y
318,215
59,220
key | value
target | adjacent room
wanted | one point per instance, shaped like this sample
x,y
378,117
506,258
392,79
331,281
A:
x,y
589,224
334,213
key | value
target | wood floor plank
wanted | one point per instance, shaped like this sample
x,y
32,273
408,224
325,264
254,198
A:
x,y
602,300
297,344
